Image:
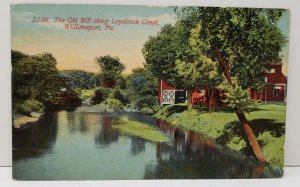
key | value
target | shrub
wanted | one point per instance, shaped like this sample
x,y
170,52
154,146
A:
x,y
78,91
101,94
114,104
147,101
116,94
28,106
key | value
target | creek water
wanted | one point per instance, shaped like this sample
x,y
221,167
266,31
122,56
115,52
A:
x,y
74,145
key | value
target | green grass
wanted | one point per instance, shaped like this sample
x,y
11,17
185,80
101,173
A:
x,y
88,93
267,122
28,106
142,130
275,112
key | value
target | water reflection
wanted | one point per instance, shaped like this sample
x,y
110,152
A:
x,y
37,139
137,145
79,122
195,156
106,135
77,145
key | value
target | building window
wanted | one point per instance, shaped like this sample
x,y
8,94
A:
x,y
168,97
275,92
272,70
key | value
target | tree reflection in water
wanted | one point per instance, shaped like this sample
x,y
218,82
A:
x,y
137,145
71,137
195,156
36,138
106,134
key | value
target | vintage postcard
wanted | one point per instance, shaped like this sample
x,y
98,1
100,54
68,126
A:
x,y
110,92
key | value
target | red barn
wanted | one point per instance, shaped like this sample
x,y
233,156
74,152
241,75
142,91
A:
x,y
168,94
275,90
276,87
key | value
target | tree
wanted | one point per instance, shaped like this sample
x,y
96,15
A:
x,y
35,77
143,85
110,67
161,53
200,70
78,79
243,42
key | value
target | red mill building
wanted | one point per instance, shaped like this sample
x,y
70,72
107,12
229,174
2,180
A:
x,y
275,90
276,86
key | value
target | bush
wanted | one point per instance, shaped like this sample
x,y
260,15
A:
x,y
116,94
28,106
147,101
101,94
78,91
114,104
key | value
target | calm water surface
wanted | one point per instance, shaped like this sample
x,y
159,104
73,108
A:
x,y
83,146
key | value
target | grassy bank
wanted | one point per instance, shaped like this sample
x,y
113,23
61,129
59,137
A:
x,y
26,111
86,94
267,122
127,126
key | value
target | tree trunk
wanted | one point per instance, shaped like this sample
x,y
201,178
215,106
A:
x,y
219,99
209,95
258,171
189,100
251,137
242,118
151,108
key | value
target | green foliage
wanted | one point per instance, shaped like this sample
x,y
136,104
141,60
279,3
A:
x,y
117,94
78,91
247,39
101,94
224,127
110,67
36,77
121,83
79,79
160,53
114,104
273,147
136,128
243,42
146,101
209,73
28,106
236,97
175,56
143,86
236,143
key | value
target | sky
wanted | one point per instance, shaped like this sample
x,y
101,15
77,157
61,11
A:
x,y
77,49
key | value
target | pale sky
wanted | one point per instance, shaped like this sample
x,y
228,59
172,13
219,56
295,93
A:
x,y
77,49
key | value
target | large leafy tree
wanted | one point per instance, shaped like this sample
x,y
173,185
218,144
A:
x,y
243,42
199,70
35,77
110,67
161,53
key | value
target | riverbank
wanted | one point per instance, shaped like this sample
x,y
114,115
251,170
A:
x,y
22,120
268,124
124,145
